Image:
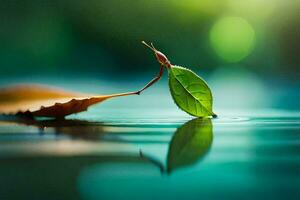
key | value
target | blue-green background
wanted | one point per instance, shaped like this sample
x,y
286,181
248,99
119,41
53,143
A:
x,y
246,50
98,37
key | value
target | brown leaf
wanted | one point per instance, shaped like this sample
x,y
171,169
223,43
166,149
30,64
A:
x,y
44,101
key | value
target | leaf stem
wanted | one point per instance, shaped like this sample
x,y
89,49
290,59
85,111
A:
x,y
154,80
150,83
150,47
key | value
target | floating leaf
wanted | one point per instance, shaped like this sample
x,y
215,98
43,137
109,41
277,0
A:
x,y
43,101
190,92
189,143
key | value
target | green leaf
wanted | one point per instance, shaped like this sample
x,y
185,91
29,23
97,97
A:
x,y
190,92
190,143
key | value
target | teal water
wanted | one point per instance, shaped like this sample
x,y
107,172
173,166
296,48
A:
x,y
143,147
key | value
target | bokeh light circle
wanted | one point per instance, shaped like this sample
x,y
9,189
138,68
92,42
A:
x,y
232,38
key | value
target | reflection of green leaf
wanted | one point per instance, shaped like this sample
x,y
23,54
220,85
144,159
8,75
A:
x,y
190,92
189,143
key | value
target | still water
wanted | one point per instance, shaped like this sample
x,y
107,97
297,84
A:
x,y
145,148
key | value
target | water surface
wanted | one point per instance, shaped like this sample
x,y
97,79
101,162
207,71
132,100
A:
x,y
130,148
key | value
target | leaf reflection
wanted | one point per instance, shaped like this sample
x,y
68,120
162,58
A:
x,y
190,142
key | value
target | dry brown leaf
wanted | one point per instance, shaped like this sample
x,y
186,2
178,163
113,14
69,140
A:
x,y
44,101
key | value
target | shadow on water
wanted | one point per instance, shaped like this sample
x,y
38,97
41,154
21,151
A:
x,y
75,128
189,144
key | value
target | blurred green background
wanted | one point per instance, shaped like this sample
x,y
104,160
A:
x,y
103,37
244,49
